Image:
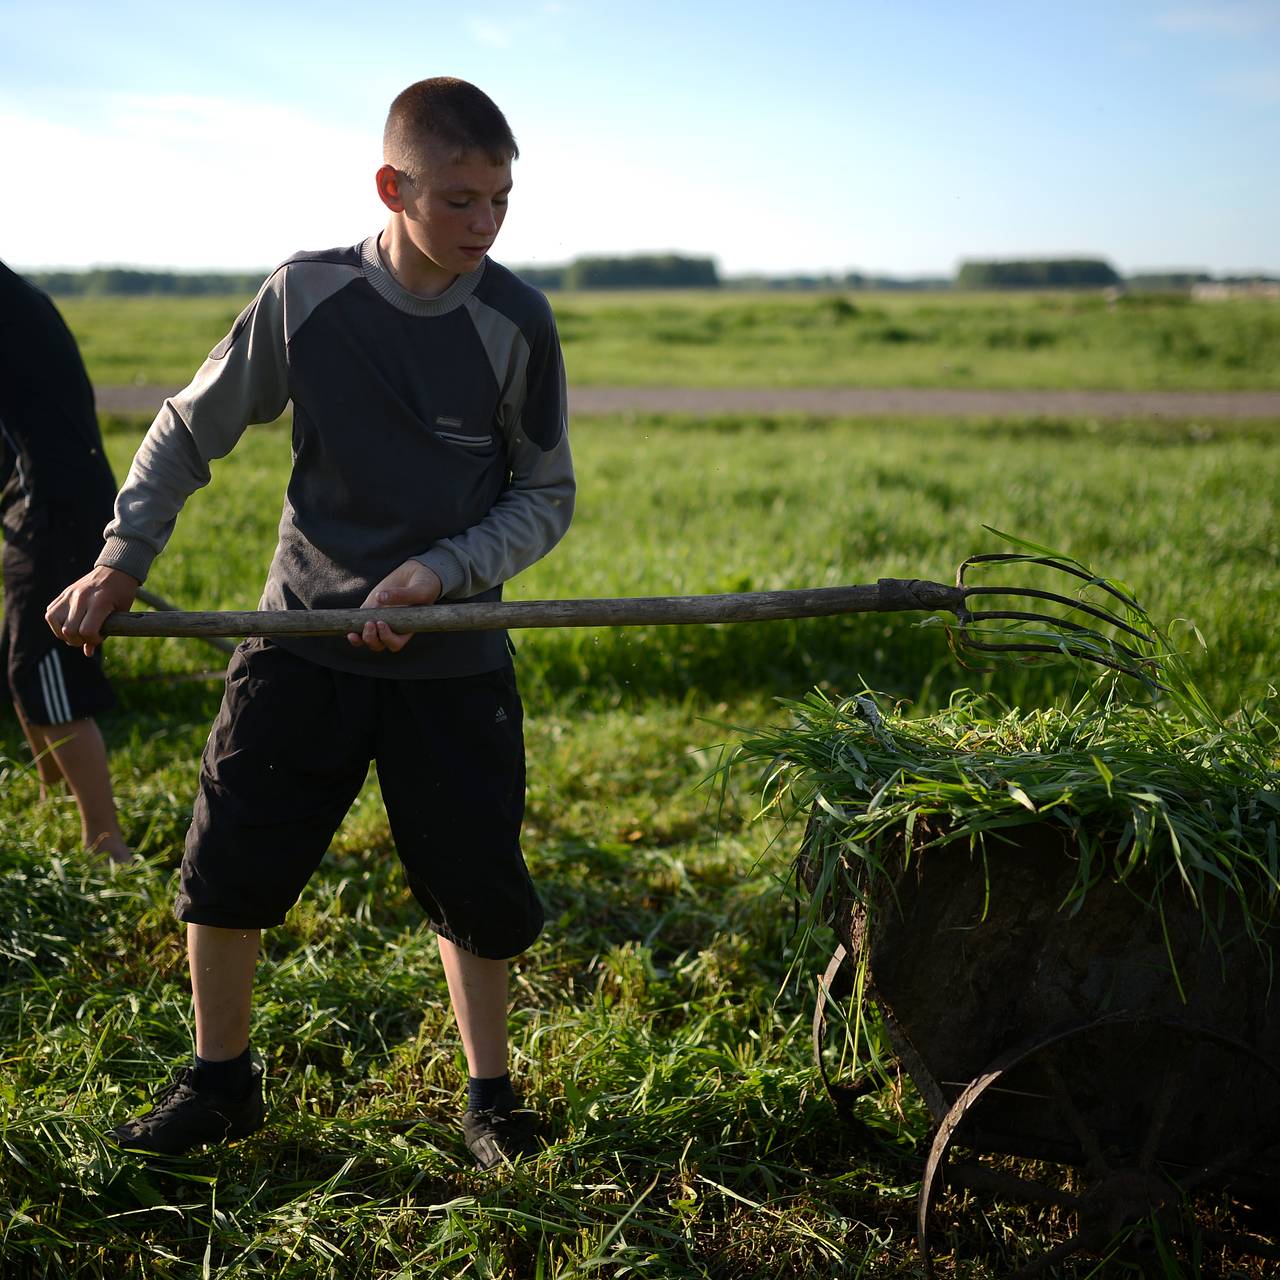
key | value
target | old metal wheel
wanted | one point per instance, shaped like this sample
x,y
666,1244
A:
x,y
1050,1164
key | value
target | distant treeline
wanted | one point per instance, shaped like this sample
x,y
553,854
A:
x,y
1086,273
1043,273
675,271
119,282
646,271
642,271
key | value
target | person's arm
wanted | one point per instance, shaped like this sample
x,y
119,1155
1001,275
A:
x,y
530,516
244,380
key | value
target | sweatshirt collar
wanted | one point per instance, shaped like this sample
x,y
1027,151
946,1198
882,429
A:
x,y
389,288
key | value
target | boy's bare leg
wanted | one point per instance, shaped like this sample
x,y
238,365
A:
x,y
81,757
46,765
478,991
222,963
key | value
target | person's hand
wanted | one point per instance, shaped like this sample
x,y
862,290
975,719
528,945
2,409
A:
x,y
411,583
77,615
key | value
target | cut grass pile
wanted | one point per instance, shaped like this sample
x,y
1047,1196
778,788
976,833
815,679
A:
x,y
1142,779
1142,776
1062,340
654,1024
1141,795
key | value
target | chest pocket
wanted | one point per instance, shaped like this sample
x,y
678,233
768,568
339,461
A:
x,y
456,432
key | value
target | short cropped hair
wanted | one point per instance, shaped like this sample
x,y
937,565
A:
x,y
448,111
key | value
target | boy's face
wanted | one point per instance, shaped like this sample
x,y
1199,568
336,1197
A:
x,y
454,206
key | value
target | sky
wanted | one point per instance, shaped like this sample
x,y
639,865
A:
x,y
775,138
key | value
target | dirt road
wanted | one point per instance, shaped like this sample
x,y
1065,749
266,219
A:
x,y
861,402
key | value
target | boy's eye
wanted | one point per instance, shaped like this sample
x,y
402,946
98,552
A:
x,y
457,204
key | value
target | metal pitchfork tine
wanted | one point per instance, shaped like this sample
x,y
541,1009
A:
x,y
888,595
1077,634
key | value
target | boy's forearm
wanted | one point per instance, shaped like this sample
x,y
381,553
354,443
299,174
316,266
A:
x,y
524,524
167,469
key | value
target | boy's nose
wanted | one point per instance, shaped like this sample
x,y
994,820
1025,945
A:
x,y
486,221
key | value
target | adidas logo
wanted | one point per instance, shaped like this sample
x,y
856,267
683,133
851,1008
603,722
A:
x,y
501,717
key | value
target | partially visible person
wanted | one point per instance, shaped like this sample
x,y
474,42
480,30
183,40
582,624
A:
x,y
56,496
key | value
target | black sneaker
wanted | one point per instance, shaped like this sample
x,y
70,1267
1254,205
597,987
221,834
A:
x,y
183,1117
500,1134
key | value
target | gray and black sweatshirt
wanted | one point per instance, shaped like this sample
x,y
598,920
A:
x,y
429,429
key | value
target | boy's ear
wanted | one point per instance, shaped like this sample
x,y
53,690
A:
x,y
388,180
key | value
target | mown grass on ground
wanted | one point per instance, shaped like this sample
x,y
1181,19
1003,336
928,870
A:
x,y
654,1028
1051,340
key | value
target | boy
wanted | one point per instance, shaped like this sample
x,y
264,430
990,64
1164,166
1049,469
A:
x,y
430,462
56,490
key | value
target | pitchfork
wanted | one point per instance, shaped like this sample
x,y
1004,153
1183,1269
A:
x,y
1023,631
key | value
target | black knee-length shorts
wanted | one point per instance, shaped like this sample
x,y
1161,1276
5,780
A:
x,y
287,756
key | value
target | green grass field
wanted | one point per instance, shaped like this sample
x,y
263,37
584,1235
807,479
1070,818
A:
x,y
1052,340
656,1028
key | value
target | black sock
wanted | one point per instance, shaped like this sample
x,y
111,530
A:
x,y
231,1076
482,1092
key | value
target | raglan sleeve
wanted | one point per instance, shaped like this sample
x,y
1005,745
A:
x,y
243,381
533,513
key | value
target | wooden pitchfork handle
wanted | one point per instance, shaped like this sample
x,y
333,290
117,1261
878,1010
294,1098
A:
x,y
157,601
888,595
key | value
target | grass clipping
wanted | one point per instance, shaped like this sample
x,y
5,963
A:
x,y
1148,783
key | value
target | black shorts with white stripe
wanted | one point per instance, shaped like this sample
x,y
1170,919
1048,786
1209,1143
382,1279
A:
x,y
51,682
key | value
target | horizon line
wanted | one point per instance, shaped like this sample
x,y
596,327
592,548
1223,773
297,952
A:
x,y
830,273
